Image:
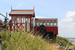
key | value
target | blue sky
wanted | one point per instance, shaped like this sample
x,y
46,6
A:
x,y
64,10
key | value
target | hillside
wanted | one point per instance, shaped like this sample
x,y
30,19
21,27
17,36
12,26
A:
x,y
63,41
25,41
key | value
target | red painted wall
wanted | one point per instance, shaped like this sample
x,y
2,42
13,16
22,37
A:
x,y
48,29
21,20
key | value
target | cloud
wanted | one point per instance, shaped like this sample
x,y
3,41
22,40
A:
x,y
70,17
67,20
67,25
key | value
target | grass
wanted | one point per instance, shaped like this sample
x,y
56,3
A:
x,y
24,41
63,41
29,41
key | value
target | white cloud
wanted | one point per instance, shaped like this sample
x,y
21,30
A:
x,y
70,17
67,25
70,14
67,20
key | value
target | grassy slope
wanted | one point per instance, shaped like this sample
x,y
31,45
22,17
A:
x,y
24,41
63,41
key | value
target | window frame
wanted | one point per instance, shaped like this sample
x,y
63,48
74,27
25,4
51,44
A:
x,y
51,23
56,23
19,21
28,20
36,23
44,23
41,23
23,21
47,23
13,19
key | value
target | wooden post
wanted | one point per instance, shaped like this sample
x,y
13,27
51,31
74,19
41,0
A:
x,y
26,26
14,26
17,26
6,21
30,23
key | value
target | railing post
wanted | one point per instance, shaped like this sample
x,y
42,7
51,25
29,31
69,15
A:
x,y
0,43
26,26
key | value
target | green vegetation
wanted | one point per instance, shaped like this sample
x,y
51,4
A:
x,y
29,41
24,41
63,41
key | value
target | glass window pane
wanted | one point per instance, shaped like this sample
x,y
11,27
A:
x,y
40,23
28,20
44,24
14,20
23,19
37,24
55,24
19,19
51,24
47,24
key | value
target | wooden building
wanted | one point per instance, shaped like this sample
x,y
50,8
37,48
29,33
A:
x,y
21,19
49,24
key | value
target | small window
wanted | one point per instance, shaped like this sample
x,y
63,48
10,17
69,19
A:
x,y
55,24
44,24
14,20
19,19
47,24
37,24
40,23
51,24
23,19
28,20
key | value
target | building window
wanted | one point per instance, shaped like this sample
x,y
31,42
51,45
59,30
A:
x,y
14,20
47,24
37,24
44,24
23,19
40,23
28,20
55,24
51,24
19,19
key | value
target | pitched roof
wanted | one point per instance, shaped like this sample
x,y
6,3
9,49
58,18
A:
x,y
22,12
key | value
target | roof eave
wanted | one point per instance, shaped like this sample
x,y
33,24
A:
x,y
33,15
20,14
